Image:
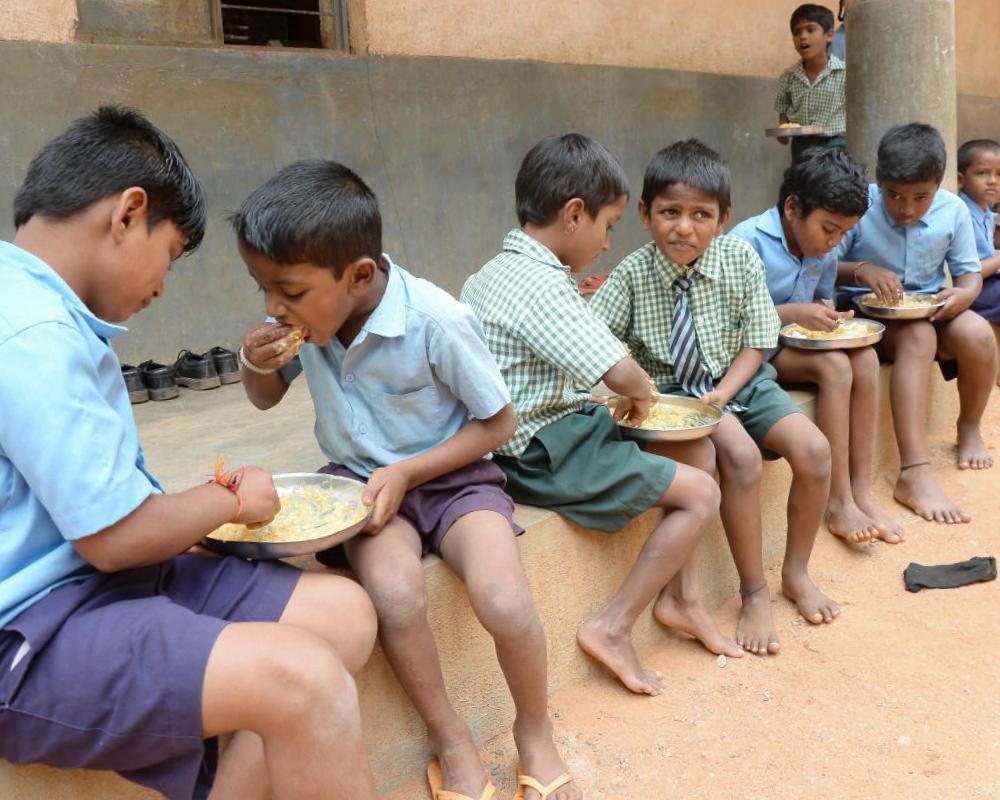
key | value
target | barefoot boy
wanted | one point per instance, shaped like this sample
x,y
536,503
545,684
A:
x,y
812,91
979,180
567,453
116,652
408,399
911,228
693,307
822,197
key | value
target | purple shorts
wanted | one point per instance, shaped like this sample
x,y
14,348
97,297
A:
x,y
988,303
107,673
433,507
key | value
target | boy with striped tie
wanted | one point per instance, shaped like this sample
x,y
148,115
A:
x,y
694,309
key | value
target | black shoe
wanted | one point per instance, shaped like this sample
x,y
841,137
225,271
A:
x,y
195,371
159,379
225,364
137,392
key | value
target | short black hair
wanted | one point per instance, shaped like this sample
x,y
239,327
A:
x,y
313,211
559,168
812,12
969,150
692,163
105,153
827,179
911,153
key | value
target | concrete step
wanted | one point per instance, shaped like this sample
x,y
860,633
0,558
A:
x,y
572,572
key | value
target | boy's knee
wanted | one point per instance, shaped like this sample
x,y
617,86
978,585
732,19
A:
x,y
918,340
811,457
741,463
704,497
834,370
504,608
308,678
357,613
399,597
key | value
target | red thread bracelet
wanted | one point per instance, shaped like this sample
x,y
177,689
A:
x,y
230,481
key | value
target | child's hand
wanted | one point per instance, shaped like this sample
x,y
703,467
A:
x,y
260,498
715,398
271,345
883,282
385,490
956,300
818,317
783,139
632,411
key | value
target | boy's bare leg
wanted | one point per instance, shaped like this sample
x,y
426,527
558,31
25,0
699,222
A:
x,y
337,610
691,500
911,347
480,547
388,566
808,454
969,339
864,429
680,605
288,686
739,463
830,371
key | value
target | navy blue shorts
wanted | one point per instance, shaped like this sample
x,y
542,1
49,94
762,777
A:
x,y
108,673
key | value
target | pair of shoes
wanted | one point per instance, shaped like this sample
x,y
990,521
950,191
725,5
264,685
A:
x,y
207,370
436,781
149,381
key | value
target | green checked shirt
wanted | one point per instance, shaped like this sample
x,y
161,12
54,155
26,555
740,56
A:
x,y
550,347
819,103
731,306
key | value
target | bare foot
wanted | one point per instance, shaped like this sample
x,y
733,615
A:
x,y
917,490
755,631
890,530
972,451
850,523
615,651
458,756
695,620
813,605
541,760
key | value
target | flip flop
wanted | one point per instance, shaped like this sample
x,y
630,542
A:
x,y
436,780
545,791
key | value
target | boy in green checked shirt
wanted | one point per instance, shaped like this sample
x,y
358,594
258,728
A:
x,y
567,453
812,91
693,307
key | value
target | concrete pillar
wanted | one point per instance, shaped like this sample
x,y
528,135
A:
x,y
900,68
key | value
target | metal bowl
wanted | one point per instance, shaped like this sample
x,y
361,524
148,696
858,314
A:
x,y
798,130
340,490
873,334
672,434
883,312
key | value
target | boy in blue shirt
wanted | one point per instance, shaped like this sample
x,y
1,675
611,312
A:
x,y
116,651
911,229
409,400
822,197
979,181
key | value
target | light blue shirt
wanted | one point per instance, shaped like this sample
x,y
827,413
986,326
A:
x,y
70,459
417,372
839,44
916,253
789,278
982,226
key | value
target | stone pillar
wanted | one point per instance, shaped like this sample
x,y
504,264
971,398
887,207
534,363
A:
x,y
900,68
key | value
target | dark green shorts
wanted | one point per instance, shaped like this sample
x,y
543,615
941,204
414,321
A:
x,y
766,403
580,467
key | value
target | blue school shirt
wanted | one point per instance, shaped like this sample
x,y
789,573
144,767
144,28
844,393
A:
x,y
916,253
417,372
982,226
789,279
70,459
839,44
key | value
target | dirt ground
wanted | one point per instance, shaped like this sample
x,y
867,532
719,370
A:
x,y
898,698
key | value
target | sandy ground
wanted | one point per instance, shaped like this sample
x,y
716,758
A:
x,y
898,698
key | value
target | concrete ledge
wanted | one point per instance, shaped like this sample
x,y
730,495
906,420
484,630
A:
x,y
556,553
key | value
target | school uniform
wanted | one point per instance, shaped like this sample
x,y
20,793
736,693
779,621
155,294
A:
x,y
567,453
98,671
731,310
416,373
822,102
983,222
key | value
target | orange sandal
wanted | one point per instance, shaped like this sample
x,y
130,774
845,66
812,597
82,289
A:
x,y
545,791
436,780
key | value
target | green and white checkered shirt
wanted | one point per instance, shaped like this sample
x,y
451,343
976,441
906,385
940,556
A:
x,y
550,347
729,302
819,103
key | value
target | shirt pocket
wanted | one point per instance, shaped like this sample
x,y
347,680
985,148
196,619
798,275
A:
x,y
929,253
411,421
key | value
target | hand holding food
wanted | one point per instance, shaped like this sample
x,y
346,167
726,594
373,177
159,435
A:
x,y
271,345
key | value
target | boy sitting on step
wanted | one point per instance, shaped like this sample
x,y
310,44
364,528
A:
x,y
567,453
693,307
408,400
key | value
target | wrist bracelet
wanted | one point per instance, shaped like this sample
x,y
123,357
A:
x,y
230,481
246,362
858,266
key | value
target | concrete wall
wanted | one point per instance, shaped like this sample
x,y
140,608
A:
x,y
139,21
38,20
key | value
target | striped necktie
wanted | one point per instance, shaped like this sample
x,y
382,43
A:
x,y
690,372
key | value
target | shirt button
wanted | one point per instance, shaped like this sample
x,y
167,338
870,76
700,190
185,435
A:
x,y
362,430
349,377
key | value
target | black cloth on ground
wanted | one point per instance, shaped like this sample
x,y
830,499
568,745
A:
x,y
948,576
